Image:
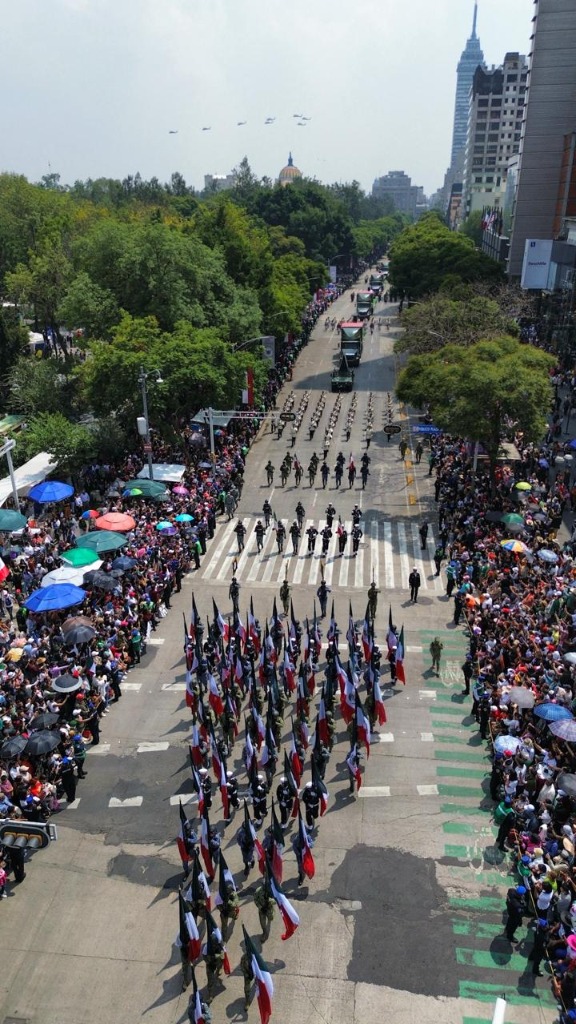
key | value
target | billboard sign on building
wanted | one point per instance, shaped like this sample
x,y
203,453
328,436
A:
x,y
333,271
536,265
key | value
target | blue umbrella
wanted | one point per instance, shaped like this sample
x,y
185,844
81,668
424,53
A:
x,y
51,599
551,712
184,517
124,562
51,490
572,443
547,556
543,463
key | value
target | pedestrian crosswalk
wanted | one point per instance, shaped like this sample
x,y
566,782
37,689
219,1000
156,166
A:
x,y
387,553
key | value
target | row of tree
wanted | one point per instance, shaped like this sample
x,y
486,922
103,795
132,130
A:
x,y
159,276
466,366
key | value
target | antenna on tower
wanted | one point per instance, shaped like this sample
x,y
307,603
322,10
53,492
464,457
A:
x,y
474,20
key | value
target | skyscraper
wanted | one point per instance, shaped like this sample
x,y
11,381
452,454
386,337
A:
x,y
471,57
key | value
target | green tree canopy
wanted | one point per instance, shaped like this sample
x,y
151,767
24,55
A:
x,y
445,320
427,253
70,444
483,392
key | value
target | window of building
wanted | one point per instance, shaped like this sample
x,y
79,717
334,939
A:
x,y
478,180
490,161
489,179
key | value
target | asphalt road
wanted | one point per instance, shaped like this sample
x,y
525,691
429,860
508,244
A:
x,y
405,909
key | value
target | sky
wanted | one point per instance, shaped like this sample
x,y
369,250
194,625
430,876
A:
x,y
92,88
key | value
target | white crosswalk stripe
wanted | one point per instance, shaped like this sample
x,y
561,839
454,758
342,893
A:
x,y
387,552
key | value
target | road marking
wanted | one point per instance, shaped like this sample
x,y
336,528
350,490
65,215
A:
x,y
359,559
388,556
404,563
346,558
427,790
131,801
303,554
370,791
382,737
314,568
184,798
152,748
258,561
132,687
417,554
73,806
414,649
174,687
427,737
223,542
156,641
101,749
431,694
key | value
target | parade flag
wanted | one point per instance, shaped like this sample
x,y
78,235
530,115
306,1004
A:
x,y
379,703
289,915
351,631
216,760
220,623
205,844
199,888
216,702
198,1011
367,636
194,622
263,979
223,784
289,674
277,847
391,637
293,632
291,780
308,866
260,726
353,762
4,570
400,674
333,627
197,783
362,725
225,880
195,751
348,697
181,837
252,631
296,769
189,935
320,787
214,935
249,753
322,723
251,831
341,676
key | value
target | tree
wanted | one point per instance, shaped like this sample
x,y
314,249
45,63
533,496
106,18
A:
x,y
89,306
472,227
484,392
13,343
427,253
69,444
37,386
42,282
445,320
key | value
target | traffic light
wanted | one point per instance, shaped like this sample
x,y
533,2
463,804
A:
x,y
27,835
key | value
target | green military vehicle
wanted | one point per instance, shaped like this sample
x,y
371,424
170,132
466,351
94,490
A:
x,y
343,377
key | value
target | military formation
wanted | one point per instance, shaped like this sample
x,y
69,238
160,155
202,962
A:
x,y
265,703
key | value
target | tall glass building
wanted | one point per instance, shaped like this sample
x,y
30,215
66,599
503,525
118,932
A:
x,y
471,57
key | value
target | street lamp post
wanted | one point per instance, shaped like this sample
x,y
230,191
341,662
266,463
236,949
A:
x,y
143,421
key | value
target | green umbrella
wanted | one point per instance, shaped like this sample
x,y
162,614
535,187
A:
x,y
144,488
104,540
523,485
513,519
10,520
79,557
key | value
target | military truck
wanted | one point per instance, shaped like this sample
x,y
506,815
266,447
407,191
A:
x,y
343,377
351,341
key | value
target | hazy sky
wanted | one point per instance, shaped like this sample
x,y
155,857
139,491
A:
x,y
92,87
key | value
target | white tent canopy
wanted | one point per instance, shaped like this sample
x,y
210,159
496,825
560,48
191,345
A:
x,y
164,472
31,473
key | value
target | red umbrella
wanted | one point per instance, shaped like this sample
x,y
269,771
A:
x,y
179,489
116,521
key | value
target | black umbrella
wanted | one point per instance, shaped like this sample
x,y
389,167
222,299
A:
x,y
117,574
66,683
44,720
493,517
100,580
79,635
42,742
13,747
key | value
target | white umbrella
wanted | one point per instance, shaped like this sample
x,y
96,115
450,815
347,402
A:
x,y
65,574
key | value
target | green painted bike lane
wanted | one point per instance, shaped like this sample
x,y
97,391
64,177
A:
x,y
486,963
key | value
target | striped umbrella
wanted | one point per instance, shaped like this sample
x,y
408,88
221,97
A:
x,y
517,546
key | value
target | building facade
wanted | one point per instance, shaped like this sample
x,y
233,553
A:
x,y
549,122
398,187
289,173
496,109
219,182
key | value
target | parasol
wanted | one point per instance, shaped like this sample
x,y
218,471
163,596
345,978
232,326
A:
x,y
565,729
522,697
552,712
116,521
50,490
